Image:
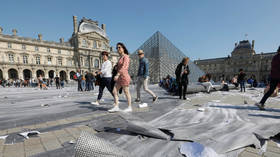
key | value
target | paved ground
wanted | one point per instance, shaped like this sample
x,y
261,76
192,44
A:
x,y
61,115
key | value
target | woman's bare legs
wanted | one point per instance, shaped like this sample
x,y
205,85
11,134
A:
x,y
127,94
116,99
115,93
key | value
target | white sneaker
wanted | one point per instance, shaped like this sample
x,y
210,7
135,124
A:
x,y
129,109
95,103
143,105
114,109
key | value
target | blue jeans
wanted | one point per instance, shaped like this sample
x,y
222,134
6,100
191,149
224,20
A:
x,y
83,84
88,85
91,85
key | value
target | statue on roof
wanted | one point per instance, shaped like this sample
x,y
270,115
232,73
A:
x,y
89,25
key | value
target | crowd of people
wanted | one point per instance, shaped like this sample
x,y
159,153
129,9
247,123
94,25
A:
x,y
117,80
40,82
85,81
175,85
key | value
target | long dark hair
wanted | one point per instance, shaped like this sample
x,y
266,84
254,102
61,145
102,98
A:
x,y
278,49
123,46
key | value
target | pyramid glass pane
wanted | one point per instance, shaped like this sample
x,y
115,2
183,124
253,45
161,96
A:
x,y
163,58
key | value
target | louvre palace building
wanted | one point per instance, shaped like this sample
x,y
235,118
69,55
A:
x,y
28,58
243,57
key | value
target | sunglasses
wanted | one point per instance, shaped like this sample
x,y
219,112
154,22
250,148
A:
x,y
140,54
118,47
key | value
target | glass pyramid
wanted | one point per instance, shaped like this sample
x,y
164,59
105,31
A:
x,y
163,59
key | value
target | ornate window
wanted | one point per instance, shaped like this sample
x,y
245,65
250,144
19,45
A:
x,y
38,61
36,48
11,58
25,59
59,51
96,63
48,50
49,60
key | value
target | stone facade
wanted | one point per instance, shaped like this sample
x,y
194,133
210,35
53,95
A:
x,y
25,58
242,57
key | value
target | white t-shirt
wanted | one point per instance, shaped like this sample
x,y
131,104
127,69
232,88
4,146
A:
x,y
106,69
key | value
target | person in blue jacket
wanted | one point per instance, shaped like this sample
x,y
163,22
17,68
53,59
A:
x,y
143,77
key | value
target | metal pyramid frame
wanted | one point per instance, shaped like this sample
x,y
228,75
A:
x,y
163,59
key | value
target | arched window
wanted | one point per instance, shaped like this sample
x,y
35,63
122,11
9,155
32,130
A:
x,y
96,63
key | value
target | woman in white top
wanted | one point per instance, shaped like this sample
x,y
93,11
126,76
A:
x,y
106,76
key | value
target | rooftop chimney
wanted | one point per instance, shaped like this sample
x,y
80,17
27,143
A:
x,y
1,30
253,44
14,32
40,37
61,40
75,24
103,26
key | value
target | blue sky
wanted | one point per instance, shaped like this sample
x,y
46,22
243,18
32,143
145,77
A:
x,y
200,28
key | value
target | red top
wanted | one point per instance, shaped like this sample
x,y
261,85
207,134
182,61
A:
x,y
123,65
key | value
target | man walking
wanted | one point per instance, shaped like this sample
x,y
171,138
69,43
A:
x,y
57,83
275,79
143,77
88,81
106,77
241,79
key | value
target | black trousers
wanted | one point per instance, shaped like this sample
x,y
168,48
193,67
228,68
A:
x,y
182,86
57,85
80,85
105,82
272,86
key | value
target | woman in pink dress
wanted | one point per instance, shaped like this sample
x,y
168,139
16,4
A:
x,y
122,79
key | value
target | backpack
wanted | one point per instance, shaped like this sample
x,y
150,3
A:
x,y
97,80
75,77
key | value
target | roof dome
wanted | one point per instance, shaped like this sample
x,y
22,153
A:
x,y
245,44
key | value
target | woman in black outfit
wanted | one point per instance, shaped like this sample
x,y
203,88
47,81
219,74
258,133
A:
x,y
182,72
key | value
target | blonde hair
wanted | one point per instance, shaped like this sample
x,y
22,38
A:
x,y
186,59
